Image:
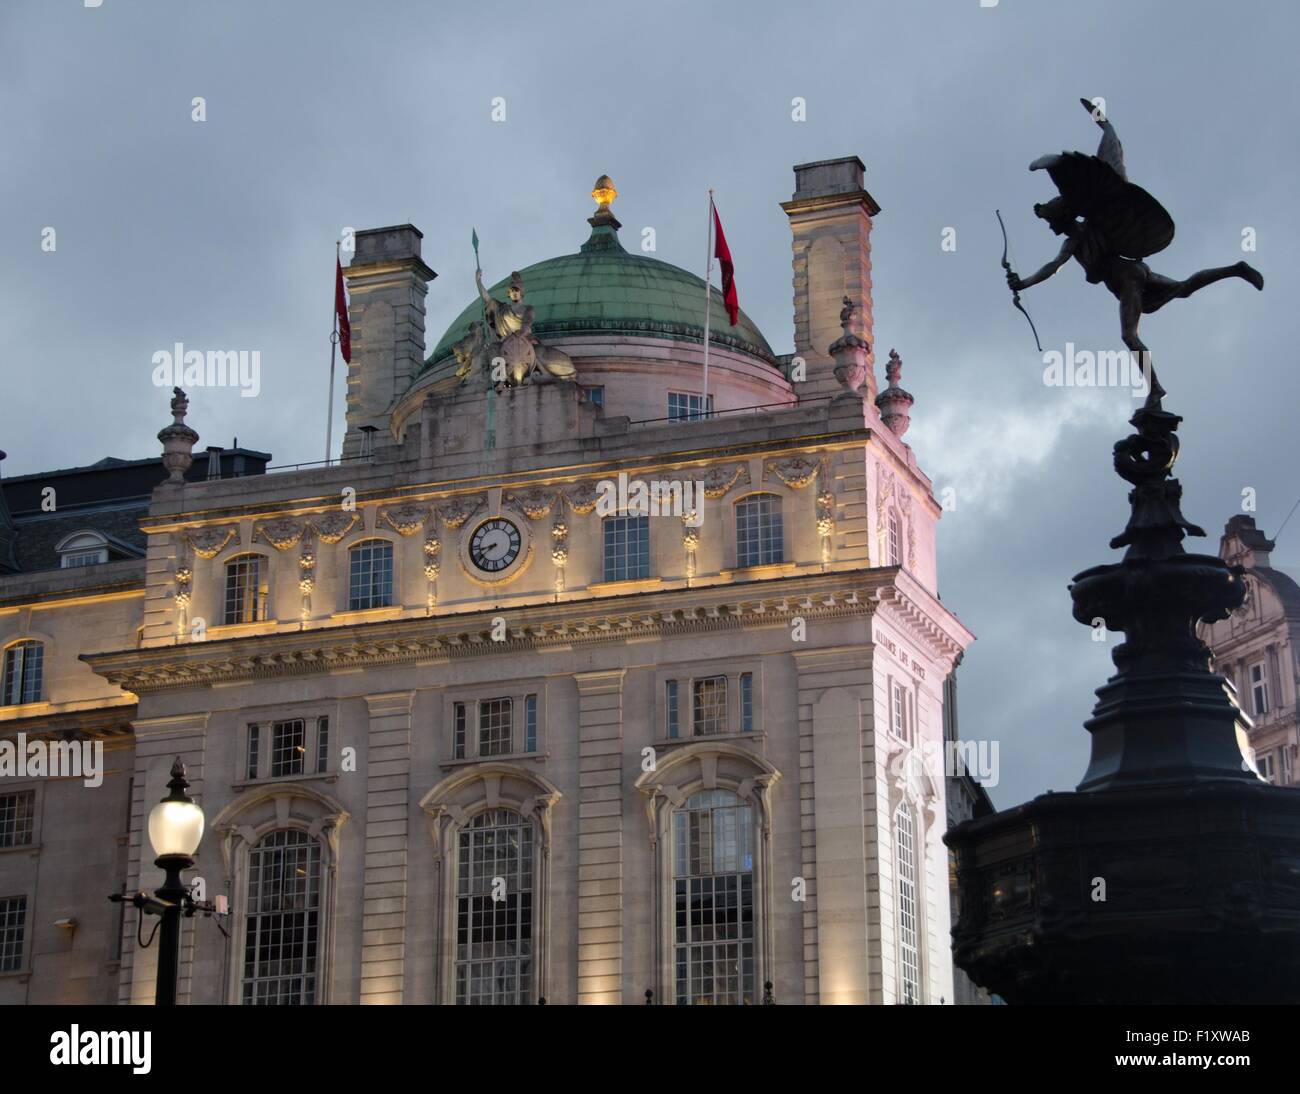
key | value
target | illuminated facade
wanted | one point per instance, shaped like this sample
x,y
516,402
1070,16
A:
x,y
1255,648
466,730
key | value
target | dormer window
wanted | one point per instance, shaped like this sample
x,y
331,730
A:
x,y
82,549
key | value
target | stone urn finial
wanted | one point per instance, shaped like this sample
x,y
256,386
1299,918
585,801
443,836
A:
x,y
850,351
894,403
178,439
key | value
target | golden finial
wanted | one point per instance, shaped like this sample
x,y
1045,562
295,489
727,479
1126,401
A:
x,y
604,193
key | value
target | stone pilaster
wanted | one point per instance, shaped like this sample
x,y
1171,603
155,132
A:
x,y
387,835
830,222
837,836
600,836
158,741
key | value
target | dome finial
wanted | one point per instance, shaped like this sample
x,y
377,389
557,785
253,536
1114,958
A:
x,y
603,193
604,224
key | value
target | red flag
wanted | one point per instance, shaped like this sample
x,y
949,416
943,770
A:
x,y
723,254
341,310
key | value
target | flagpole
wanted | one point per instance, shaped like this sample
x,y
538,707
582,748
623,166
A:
x,y
334,345
708,301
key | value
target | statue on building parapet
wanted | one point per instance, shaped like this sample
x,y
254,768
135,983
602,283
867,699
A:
x,y
850,352
178,439
509,337
1110,225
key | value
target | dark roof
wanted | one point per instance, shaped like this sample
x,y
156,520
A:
x,y
109,496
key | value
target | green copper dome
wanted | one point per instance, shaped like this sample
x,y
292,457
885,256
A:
x,y
604,289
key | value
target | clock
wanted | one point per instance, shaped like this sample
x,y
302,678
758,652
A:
x,y
495,545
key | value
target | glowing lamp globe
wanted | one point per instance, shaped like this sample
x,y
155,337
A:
x,y
176,822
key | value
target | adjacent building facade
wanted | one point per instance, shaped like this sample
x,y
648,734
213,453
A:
x,y
572,680
1256,649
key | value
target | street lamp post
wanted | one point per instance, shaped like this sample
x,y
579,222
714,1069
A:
x,y
175,830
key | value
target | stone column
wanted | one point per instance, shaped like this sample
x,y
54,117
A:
x,y
387,832
387,283
830,221
600,836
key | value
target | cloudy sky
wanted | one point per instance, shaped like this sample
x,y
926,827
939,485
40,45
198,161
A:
x,y
326,114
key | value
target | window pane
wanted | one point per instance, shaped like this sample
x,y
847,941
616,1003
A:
x,y
245,591
627,548
684,407
371,575
288,747
495,721
530,724
670,699
713,933
254,745
23,670
747,702
908,954
16,813
494,910
322,745
710,705
759,533
280,936
13,925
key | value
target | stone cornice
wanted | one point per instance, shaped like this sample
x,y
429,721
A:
x,y
814,597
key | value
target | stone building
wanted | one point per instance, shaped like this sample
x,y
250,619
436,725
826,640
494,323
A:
x,y
570,680
1256,649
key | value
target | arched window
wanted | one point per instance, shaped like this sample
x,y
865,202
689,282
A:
x,y
82,549
895,538
245,590
370,582
759,534
494,909
908,925
282,924
23,671
713,899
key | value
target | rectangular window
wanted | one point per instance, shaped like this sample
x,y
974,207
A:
x,y
288,747
760,533
16,818
746,702
13,926
23,671
245,590
370,575
85,558
1264,765
685,407
283,919
897,713
458,736
494,725
254,745
322,745
710,706
530,724
596,396
908,924
627,548
895,549
1258,689
670,705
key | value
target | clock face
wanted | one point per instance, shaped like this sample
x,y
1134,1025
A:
x,y
494,545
